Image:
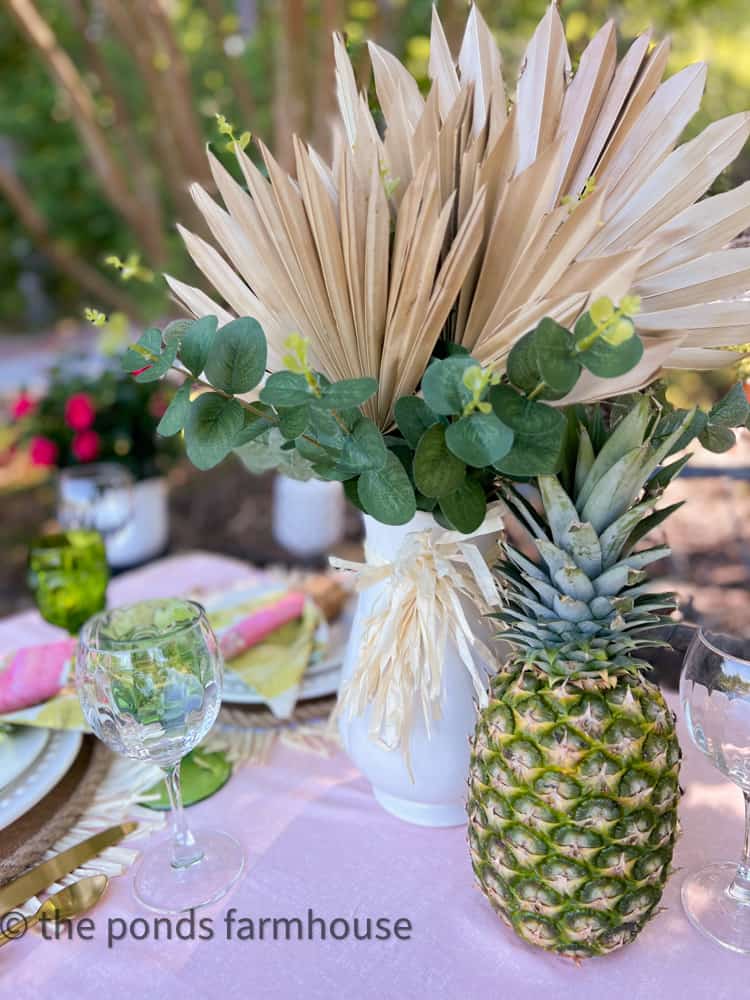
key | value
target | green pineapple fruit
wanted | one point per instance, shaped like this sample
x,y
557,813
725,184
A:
x,y
574,775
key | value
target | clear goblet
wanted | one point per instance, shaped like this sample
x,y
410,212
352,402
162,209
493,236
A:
x,y
715,697
149,678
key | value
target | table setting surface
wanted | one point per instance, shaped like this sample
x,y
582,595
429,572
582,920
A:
x,y
317,841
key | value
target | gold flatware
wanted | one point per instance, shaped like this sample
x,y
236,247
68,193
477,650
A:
x,y
66,903
39,878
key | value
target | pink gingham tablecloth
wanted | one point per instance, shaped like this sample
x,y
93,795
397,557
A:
x,y
317,841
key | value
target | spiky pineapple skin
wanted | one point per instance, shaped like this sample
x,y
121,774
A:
x,y
572,806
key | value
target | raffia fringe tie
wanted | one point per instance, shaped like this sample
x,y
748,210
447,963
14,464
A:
x,y
400,667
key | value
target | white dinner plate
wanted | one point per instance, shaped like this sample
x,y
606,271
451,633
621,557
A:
x,y
41,776
236,692
323,673
18,749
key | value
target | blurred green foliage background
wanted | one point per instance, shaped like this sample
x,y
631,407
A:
x,y
267,67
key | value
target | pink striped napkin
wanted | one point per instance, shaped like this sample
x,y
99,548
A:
x,y
32,675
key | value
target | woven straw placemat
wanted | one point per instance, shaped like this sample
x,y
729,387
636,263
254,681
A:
x,y
261,717
248,733
25,842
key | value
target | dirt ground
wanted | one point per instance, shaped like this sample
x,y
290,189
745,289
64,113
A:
x,y
229,511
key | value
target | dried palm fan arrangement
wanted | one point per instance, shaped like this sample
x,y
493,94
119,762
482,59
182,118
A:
x,y
429,302
468,222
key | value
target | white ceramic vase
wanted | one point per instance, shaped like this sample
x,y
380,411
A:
x,y
440,763
147,533
308,516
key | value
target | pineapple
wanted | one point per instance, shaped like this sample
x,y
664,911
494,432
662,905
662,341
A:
x,y
574,773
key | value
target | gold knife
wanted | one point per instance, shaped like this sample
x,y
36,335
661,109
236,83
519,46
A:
x,y
39,878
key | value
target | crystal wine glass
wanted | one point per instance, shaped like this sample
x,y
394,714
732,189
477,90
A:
x,y
715,696
97,496
149,678
68,575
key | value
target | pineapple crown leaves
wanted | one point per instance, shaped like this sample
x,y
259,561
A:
x,y
584,606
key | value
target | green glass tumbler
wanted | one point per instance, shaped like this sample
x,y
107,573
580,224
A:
x,y
68,575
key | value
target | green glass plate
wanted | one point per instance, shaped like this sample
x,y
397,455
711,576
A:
x,y
201,775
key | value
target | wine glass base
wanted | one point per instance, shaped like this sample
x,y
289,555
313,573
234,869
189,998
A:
x,y
712,911
164,889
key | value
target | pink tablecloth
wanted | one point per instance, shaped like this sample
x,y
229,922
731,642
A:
x,y
317,841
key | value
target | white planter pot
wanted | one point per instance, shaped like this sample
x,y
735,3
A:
x,y
308,517
440,762
147,533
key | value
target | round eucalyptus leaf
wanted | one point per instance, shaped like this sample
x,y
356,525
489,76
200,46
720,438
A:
x,y
480,439
286,389
606,360
717,438
426,503
538,433
413,417
144,353
237,360
293,420
175,415
443,387
555,356
732,410
313,451
351,493
211,429
364,447
325,428
347,393
387,494
437,471
196,343
522,367
258,421
177,329
466,507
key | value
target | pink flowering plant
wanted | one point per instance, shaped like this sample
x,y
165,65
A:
x,y
85,418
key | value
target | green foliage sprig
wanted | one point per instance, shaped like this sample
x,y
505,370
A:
x,y
468,426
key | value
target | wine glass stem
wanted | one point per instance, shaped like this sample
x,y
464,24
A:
x,y
185,851
739,889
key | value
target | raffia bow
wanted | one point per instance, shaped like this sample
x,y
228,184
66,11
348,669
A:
x,y
400,667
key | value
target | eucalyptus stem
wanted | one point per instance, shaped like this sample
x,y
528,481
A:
x,y
537,390
269,415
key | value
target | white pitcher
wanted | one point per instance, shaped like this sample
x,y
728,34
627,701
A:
x,y
439,762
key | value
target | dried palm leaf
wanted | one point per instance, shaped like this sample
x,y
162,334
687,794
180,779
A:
x,y
464,222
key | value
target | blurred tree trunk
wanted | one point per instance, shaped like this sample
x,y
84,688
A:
x,y
138,156
240,86
104,162
176,85
453,15
290,100
139,42
324,90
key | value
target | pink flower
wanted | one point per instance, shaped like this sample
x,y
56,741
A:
x,y
43,451
79,412
22,406
85,446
